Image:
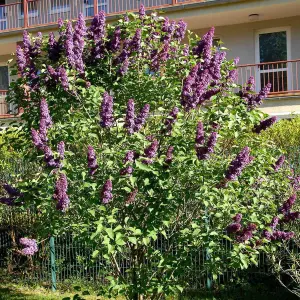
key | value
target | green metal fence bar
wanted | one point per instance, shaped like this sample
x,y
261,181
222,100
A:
x,y
53,266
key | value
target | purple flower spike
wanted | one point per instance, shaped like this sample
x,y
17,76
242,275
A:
x,y
115,42
274,223
129,157
279,163
141,118
150,152
44,113
131,197
92,160
233,228
287,205
237,218
199,134
180,30
135,43
69,45
238,164
78,41
97,29
265,124
30,246
142,12
60,193
169,155
61,150
203,153
106,193
171,119
62,74
203,49
124,67
21,60
186,50
36,139
130,117
106,112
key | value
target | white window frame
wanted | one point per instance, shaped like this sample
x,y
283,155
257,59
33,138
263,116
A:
x,y
61,9
287,29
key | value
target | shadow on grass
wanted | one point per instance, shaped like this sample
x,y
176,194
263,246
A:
x,y
8,293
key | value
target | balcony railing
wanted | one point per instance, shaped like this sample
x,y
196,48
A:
x,y
284,76
35,13
6,110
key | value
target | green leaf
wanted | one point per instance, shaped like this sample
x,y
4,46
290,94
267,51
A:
x,y
110,233
95,253
132,240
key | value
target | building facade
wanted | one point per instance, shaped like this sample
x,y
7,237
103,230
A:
x,y
265,34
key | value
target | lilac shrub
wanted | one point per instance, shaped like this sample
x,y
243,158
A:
x,y
140,136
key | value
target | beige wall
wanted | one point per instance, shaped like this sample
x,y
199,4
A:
x,y
240,39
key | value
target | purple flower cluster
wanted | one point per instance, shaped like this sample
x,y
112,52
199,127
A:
x,y
92,160
171,119
13,194
150,152
135,43
115,41
169,155
97,33
180,30
54,48
278,164
142,12
204,46
285,209
124,67
253,100
78,42
40,139
106,193
159,57
204,152
60,193
186,50
265,124
59,75
128,160
69,45
106,112
132,123
277,235
200,139
242,234
30,246
238,164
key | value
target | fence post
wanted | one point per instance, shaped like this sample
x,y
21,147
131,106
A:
x,y
25,11
207,255
95,7
53,268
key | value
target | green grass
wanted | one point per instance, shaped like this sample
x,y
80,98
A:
x,y
9,291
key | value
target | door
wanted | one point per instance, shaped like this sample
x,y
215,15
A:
x,y
272,54
4,83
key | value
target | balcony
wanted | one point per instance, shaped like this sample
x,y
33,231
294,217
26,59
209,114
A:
x,y
37,13
283,75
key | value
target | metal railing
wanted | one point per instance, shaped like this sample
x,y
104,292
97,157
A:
x,y
6,110
35,13
284,76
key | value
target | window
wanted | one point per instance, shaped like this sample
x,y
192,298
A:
x,y
272,54
4,83
89,7
4,78
59,5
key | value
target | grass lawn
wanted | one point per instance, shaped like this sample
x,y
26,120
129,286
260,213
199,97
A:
x,y
10,291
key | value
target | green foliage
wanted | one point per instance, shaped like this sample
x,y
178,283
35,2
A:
x,y
178,208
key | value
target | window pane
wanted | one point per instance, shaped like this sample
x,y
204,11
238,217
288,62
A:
x,y
3,78
273,46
